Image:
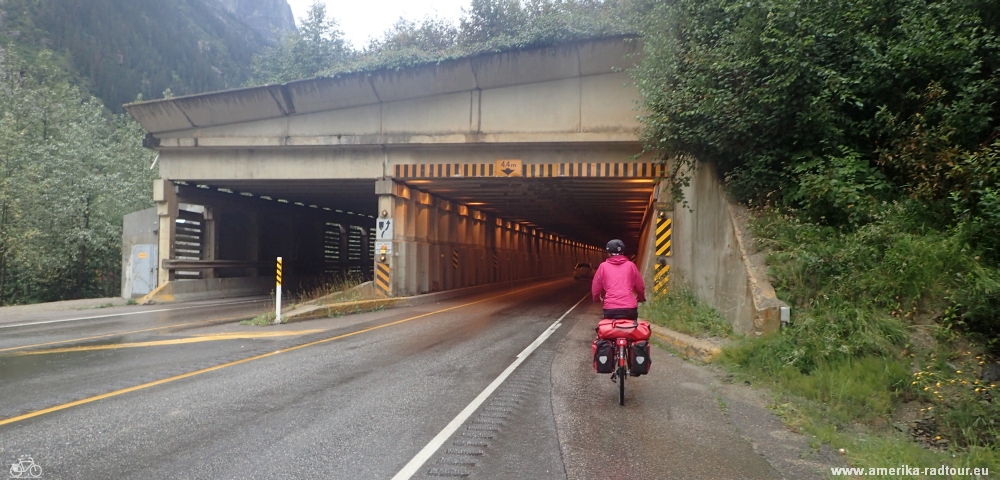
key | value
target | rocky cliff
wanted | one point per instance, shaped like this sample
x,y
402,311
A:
x,y
264,16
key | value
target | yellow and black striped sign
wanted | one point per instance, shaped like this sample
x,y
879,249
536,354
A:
x,y
382,278
661,277
277,274
539,170
664,230
454,259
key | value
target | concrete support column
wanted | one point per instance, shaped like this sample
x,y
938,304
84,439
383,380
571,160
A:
x,y
165,196
422,218
442,246
494,231
461,239
209,240
407,218
394,201
477,252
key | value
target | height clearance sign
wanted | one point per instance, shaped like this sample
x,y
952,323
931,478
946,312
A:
x,y
507,168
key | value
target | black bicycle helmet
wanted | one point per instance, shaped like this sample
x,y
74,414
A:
x,y
615,247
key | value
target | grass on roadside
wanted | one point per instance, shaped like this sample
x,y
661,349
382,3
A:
x,y
680,310
325,291
262,320
880,359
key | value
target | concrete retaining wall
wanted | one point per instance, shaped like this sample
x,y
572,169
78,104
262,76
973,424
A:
x,y
710,252
138,228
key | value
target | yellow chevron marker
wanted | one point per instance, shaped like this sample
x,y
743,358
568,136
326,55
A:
x,y
661,278
664,230
382,277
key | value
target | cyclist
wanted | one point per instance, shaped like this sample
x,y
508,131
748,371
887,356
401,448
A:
x,y
618,283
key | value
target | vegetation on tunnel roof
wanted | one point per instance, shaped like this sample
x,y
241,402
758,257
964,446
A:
x,y
489,26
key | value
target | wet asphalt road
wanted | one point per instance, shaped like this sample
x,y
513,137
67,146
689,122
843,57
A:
x,y
354,397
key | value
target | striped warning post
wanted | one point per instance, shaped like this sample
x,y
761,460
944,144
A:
x,y
454,259
277,292
382,278
661,277
664,229
496,269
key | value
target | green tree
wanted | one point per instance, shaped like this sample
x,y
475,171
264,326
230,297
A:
x,y
764,88
318,45
69,171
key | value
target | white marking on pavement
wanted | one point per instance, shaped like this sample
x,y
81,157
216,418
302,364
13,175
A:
x,y
124,314
425,454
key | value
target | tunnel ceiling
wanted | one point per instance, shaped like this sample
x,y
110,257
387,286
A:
x,y
588,210
356,196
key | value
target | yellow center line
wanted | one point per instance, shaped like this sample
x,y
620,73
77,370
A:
x,y
245,360
75,340
174,341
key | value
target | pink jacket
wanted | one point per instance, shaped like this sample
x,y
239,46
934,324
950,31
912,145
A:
x,y
619,281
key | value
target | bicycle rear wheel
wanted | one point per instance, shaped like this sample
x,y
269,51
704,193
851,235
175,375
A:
x,y
621,385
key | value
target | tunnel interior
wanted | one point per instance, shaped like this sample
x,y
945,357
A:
x,y
325,229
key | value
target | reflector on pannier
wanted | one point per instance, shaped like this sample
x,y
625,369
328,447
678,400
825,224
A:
x,y
640,358
603,356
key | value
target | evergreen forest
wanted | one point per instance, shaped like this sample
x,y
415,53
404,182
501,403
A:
x,y
123,49
864,137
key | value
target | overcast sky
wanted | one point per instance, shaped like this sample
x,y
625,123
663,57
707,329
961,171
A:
x,y
360,20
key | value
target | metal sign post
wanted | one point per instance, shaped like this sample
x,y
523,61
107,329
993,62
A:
x,y
277,294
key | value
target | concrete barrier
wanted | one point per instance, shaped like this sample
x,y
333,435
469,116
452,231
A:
x,y
685,345
208,289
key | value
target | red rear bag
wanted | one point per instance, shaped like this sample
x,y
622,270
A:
x,y
623,328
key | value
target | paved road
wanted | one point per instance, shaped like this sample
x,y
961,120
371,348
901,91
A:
x,y
360,396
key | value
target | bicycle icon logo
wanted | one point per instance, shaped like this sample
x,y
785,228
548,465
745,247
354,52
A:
x,y
25,467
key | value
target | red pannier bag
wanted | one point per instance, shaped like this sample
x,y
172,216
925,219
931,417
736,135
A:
x,y
623,328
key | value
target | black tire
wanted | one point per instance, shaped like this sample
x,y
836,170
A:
x,y
621,385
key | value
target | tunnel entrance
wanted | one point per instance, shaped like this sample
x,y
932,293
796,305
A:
x,y
495,167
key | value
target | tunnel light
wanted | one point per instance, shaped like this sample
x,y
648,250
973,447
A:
x,y
203,186
313,206
246,194
225,190
300,204
282,200
327,209
265,197
339,211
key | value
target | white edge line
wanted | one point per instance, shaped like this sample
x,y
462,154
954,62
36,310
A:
x,y
425,454
124,314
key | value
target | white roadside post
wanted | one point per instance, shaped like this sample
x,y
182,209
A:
x,y
277,294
